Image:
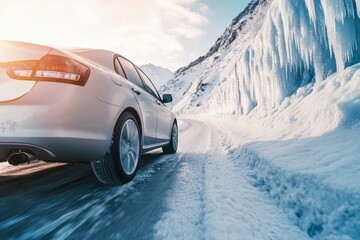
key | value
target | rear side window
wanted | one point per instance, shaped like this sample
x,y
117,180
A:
x,y
118,68
131,73
149,85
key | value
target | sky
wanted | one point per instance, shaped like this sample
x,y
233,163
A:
x,y
168,33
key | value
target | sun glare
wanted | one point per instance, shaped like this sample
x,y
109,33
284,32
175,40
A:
x,y
156,31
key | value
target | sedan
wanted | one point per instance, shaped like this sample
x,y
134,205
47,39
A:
x,y
80,105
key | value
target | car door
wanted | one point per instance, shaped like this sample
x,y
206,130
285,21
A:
x,y
164,123
146,102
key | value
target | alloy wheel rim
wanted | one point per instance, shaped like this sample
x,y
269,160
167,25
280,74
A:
x,y
129,146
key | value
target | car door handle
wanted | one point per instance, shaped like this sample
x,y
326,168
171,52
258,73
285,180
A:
x,y
136,91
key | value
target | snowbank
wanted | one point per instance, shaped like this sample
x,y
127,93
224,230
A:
x,y
305,154
318,192
315,179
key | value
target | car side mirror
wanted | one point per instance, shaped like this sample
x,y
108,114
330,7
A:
x,y
167,98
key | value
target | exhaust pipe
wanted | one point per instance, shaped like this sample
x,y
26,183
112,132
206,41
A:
x,y
20,157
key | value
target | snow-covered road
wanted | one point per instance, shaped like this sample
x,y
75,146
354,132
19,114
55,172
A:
x,y
212,197
202,192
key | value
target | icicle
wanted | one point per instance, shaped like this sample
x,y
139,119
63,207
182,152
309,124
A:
x,y
299,41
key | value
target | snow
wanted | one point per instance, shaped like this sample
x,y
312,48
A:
x,y
304,156
286,95
158,75
314,179
304,153
307,155
213,198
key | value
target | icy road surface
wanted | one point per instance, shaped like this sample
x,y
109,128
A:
x,y
199,193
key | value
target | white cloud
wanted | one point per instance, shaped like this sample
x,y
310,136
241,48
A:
x,y
188,3
204,9
144,31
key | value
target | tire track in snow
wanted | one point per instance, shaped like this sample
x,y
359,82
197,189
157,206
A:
x,y
212,198
185,202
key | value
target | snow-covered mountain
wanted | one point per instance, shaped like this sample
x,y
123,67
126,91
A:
x,y
158,75
192,84
269,51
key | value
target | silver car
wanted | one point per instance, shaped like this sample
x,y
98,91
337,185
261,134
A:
x,y
80,106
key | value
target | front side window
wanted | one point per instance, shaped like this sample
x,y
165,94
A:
x,y
131,73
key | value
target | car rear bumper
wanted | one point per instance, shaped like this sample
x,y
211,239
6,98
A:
x,y
57,122
55,149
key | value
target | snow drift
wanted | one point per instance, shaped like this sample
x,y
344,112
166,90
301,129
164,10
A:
x,y
308,170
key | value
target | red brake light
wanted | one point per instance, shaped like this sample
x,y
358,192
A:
x,y
50,68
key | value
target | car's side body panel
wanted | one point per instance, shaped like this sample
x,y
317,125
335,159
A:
x,y
164,128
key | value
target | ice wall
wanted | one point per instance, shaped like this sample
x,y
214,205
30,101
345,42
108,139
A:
x,y
301,41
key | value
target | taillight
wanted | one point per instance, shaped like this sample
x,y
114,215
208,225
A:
x,y
21,70
50,68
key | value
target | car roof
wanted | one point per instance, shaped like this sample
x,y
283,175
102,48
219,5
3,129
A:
x,y
99,56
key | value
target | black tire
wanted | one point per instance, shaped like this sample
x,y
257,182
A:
x,y
121,161
174,140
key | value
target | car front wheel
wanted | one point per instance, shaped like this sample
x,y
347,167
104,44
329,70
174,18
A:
x,y
121,162
174,139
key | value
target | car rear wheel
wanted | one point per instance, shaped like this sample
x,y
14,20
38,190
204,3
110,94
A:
x,y
173,144
121,162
